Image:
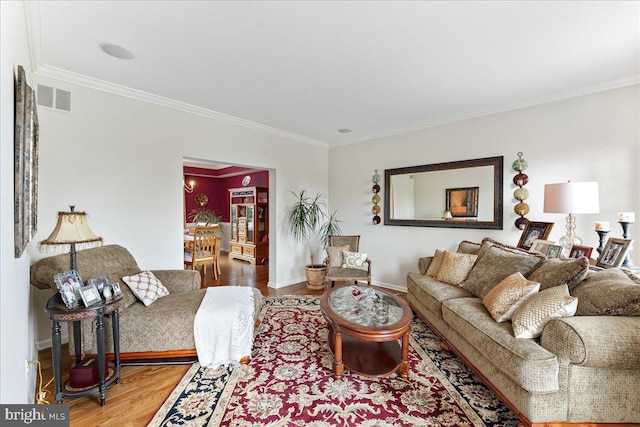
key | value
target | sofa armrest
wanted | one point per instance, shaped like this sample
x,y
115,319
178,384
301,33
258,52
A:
x,y
423,264
595,341
178,281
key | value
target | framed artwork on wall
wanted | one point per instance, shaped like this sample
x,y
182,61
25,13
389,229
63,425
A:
x,y
462,202
25,164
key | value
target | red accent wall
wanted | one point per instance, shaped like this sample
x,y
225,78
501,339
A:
x,y
216,187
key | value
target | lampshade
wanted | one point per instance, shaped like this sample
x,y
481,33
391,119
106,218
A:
x,y
571,197
71,228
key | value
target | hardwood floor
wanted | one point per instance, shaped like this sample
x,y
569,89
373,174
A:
x,y
143,389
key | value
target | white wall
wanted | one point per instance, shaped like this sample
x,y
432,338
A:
x,y
16,311
120,160
589,138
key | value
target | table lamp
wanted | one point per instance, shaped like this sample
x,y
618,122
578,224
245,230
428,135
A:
x,y
71,229
571,198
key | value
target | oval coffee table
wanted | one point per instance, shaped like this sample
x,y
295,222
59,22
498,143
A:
x,y
365,326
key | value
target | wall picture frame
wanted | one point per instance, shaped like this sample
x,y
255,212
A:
x,y
534,231
578,250
462,202
26,135
69,285
614,252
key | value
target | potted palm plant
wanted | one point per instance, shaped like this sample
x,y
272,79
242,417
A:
x,y
309,223
203,215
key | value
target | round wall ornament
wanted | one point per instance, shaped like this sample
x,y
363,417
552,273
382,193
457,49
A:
x,y
201,199
246,180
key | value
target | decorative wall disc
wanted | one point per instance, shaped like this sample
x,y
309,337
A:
x,y
201,199
520,164
521,194
521,223
375,210
376,220
520,179
376,198
376,177
521,209
376,188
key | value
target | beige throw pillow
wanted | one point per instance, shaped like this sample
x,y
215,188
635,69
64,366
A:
x,y
467,247
434,266
508,295
610,292
146,287
455,267
529,320
556,271
335,255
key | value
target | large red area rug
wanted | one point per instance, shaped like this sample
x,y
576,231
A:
x,y
289,383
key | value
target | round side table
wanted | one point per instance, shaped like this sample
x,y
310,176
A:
x,y
58,312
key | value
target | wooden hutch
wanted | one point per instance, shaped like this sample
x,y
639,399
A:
x,y
249,218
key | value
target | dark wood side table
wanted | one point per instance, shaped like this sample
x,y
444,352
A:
x,y
58,312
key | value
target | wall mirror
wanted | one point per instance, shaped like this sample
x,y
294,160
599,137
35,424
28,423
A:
x,y
461,194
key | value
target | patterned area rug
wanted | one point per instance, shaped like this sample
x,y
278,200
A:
x,y
288,383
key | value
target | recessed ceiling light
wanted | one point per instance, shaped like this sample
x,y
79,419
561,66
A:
x,y
344,130
116,51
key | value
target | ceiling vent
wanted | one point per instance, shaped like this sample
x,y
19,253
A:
x,y
54,98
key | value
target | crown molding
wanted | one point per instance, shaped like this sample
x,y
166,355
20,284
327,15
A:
x,y
588,90
34,36
47,71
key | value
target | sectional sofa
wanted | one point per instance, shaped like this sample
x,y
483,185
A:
x,y
577,360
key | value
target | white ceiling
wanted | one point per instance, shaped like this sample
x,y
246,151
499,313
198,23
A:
x,y
305,69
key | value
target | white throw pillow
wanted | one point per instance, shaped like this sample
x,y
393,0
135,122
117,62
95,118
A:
x,y
354,260
146,287
503,300
529,320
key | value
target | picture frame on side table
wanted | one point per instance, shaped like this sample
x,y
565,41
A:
x,y
534,231
577,251
100,283
614,252
541,246
462,202
553,251
69,285
115,287
90,295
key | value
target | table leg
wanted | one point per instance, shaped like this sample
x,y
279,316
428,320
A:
x,y
57,360
404,358
338,366
115,325
101,356
77,340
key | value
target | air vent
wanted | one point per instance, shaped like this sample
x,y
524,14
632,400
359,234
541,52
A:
x,y
50,97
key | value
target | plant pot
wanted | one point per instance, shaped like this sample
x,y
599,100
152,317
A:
x,y
315,277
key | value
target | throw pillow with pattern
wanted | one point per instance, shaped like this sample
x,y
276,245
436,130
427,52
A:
x,y
529,320
146,287
455,267
355,260
503,300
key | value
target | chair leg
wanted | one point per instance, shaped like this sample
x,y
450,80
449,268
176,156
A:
x,y
333,282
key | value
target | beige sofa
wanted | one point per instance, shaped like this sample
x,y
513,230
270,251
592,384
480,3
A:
x,y
582,369
163,329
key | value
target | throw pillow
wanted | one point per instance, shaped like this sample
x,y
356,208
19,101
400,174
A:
x,y
508,295
455,267
488,242
467,247
335,255
146,287
556,271
497,263
436,261
354,260
529,320
610,292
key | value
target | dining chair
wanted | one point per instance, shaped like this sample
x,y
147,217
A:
x,y
203,251
336,267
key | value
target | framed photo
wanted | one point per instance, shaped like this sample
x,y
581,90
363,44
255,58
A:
x,y
614,252
553,251
26,134
577,251
100,283
541,246
90,295
69,284
115,287
534,231
462,202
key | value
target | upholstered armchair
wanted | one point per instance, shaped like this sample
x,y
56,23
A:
x,y
344,262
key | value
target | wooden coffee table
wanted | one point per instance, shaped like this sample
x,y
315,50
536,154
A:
x,y
365,326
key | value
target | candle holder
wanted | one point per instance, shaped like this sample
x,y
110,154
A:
x,y
625,234
603,237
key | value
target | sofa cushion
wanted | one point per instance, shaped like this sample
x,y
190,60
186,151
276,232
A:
x,y
530,366
455,267
508,295
146,286
356,260
488,242
556,272
335,255
432,292
436,261
610,292
497,263
467,247
533,315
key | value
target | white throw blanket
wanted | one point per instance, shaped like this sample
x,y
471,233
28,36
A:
x,y
223,326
